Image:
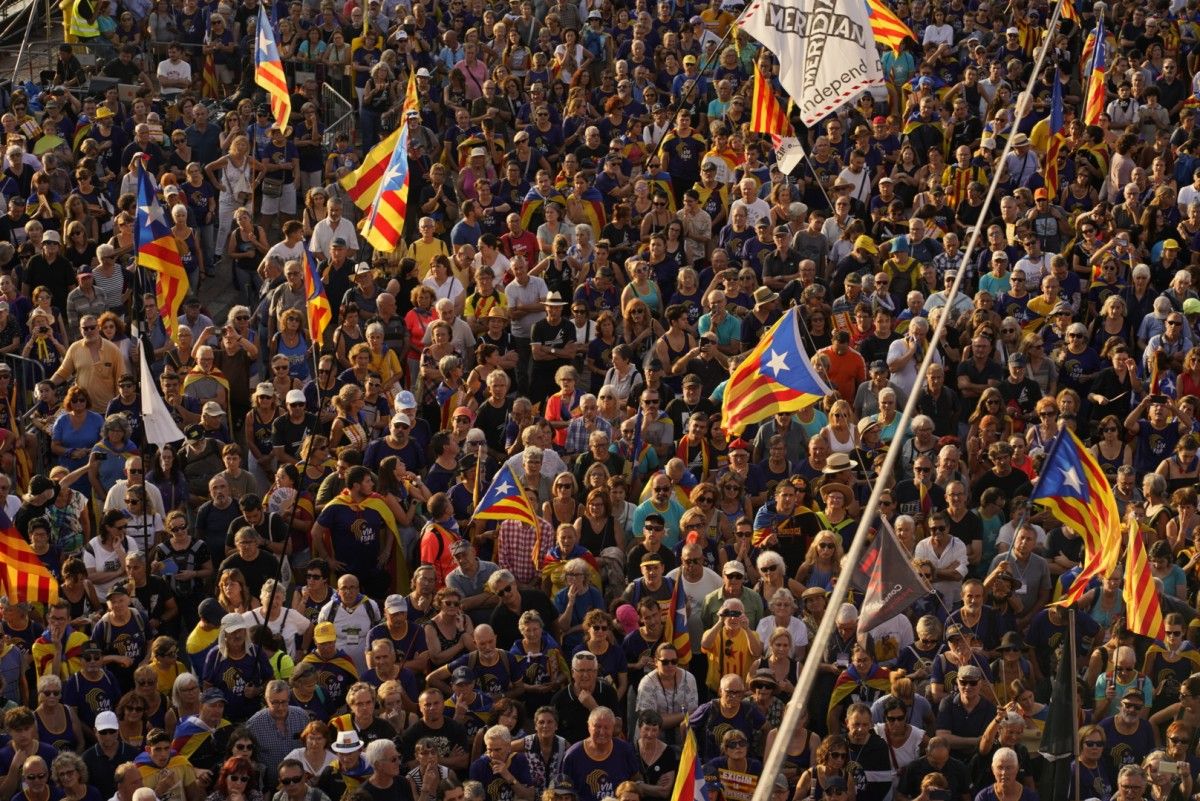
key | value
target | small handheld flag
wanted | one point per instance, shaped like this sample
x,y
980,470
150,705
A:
x,y
268,70
320,313
362,185
506,500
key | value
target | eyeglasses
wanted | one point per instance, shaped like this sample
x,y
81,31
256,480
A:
x,y
895,718
146,682
52,693
738,743
1175,740
968,682
599,627
35,777
1093,743
88,327
244,747
291,780
668,661
239,778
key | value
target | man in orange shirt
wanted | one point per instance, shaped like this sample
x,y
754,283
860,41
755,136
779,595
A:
x,y
847,369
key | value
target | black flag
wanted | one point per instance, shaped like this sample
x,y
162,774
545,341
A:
x,y
1058,740
891,584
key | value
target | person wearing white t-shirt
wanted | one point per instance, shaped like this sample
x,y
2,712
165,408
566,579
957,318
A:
x,y
698,582
174,74
756,208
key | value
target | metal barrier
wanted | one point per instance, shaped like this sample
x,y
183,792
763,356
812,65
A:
x,y
338,113
26,375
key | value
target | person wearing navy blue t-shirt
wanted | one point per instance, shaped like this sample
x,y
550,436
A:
x,y
598,763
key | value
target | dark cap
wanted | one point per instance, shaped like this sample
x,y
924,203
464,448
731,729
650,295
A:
x,y
462,675
211,611
338,242
212,696
651,559
1017,359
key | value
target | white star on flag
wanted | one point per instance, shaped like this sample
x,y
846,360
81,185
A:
x,y
154,213
1071,479
502,488
777,362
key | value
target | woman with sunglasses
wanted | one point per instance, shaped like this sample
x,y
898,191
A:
x,y
785,646
131,720
191,561
1092,772
79,593
598,638
828,776
58,724
159,712
104,554
822,562
734,764
237,780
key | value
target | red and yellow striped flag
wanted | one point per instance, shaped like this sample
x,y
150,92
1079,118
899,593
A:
x,y
362,185
889,29
268,70
209,86
766,115
25,579
157,250
1143,615
1094,97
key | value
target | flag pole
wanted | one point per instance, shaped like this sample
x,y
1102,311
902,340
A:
x,y
1074,690
798,704
687,93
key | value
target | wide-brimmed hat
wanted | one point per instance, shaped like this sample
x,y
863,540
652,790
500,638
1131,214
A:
x,y
837,462
347,742
836,486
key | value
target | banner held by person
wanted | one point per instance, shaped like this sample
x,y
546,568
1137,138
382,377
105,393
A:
x,y
826,52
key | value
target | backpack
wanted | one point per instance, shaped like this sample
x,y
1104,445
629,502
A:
x,y
372,609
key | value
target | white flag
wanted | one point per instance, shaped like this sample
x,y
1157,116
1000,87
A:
x,y
788,154
826,50
156,419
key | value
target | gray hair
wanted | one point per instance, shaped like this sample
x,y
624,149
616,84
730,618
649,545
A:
x,y
496,732
582,656
768,558
378,750
1003,755
599,713
234,311
277,686
177,687
846,613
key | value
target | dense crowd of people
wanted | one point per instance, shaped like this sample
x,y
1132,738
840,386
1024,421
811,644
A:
x,y
296,599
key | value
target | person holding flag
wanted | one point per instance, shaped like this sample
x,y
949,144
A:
x,y
357,533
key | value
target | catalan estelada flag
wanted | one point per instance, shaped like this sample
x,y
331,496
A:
x,y
268,70
1077,493
320,313
1056,134
25,578
362,185
766,115
1094,97
385,220
774,377
1069,11
676,625
1143,613
157,250
506,500
889,29
689,781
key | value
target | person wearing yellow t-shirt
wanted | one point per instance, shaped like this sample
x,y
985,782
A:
x,y
424,250
204,636
731,646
